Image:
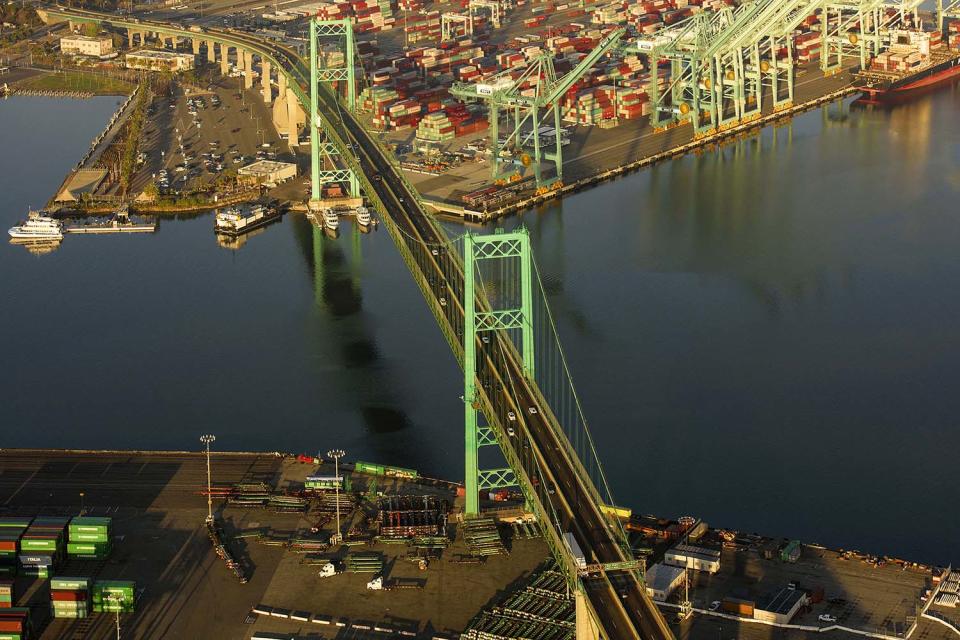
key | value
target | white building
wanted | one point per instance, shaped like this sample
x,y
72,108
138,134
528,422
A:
x,y
270,171
699,558
152,60
76,45
780,607
662,580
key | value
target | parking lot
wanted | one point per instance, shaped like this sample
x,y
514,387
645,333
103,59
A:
x,y
197,137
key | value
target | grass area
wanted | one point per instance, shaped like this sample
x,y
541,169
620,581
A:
x,y
77,81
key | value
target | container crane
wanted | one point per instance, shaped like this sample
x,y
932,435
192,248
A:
x,y
504,92
723,63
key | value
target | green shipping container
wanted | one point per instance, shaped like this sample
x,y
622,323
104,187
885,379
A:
x,y
38,544
10,636
90,521
89,537
16,523
369,467
65,583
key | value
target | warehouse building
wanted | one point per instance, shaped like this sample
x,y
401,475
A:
x,y
268,172
86,46
699,558
152,60
780,607
662,580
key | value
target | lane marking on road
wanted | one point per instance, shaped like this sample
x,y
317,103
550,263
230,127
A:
x,y
22,485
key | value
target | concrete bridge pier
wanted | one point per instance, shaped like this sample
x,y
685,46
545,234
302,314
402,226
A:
x,y
129,39
279,110
224,59
196,46
265,81
248,67
294,116
211,52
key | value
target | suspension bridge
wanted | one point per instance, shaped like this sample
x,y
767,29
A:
x,y
485,291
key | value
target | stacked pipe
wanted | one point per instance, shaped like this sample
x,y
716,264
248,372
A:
x,y
483,537
364,563
411,516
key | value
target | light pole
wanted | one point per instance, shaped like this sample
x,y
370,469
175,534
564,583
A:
x,y
81,502
117,599
207,439
336,454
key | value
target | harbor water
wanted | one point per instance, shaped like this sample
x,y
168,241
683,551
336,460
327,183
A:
x,y
763,335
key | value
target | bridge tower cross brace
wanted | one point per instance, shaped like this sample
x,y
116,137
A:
x,y
499,246
347,72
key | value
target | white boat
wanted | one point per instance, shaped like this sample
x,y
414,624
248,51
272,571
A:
x,y
232,221
363,216
330,219
37,227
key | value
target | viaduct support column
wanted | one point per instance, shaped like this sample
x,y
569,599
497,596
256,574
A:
x,y
265,81
196,46
292,117
248,66
129,39
211,53
224,59
281,83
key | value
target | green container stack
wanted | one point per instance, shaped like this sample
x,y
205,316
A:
x,y
89,537
70,597
11,530
6,594
42,545
109,596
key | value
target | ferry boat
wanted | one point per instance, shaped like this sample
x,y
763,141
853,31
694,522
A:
x,y
330,219
37,227
911,63
121,222
233,222
363,216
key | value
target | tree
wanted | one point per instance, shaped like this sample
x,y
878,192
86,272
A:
x,y
151,190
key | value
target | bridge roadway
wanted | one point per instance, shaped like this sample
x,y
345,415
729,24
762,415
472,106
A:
x,y
624,610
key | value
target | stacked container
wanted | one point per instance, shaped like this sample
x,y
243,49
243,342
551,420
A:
x,y
15,624
108,596
436,127
89,537
11,530
42,546
70,597
6,594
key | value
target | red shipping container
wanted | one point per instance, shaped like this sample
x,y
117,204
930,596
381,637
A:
x,y
68,596
7,624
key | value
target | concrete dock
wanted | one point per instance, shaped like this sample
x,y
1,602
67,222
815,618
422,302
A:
x,y
158,508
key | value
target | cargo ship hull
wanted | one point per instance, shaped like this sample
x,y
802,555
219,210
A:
x,y
879,87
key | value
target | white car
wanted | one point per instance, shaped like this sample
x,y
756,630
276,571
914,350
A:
x,y
714,605
826,617
533,411
511,416
511,432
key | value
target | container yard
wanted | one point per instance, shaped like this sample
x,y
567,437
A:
x,y
404,553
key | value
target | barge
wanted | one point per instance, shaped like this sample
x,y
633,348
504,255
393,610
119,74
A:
x,y
233,222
